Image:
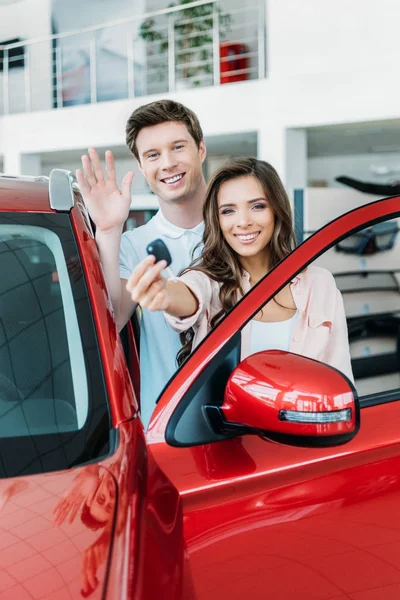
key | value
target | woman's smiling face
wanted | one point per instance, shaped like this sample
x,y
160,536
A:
x,y
245,216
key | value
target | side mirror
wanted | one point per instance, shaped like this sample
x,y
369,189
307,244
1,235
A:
x,y
290,399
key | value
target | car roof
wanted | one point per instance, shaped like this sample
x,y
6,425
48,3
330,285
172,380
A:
x,y
24,194
37,194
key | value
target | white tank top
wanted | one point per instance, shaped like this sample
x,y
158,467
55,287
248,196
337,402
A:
x,y
271,336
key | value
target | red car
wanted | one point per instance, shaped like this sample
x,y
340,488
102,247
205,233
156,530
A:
x,y
256,479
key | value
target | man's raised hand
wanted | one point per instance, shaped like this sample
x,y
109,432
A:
x,y
108,206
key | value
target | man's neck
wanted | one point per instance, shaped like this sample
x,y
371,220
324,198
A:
x,y
188,213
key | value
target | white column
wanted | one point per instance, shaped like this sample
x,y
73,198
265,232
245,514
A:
x,y
271,147
286,150
15,163
296,158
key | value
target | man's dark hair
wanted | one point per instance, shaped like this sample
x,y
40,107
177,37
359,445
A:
x,y
159,112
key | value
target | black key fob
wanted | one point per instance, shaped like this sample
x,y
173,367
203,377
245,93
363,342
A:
x,y
159,250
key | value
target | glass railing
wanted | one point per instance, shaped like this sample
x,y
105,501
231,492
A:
x,y
203,43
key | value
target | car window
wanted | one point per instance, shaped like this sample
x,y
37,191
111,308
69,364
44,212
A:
x,y
42,356
51,383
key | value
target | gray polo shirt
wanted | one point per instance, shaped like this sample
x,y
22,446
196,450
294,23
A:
x,y
159,344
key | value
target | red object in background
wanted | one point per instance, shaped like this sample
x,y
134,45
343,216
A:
x,y
233,58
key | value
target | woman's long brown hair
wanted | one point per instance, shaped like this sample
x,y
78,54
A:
x,y
218,261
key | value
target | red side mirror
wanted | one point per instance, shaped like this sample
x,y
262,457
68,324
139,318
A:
x,y
288,398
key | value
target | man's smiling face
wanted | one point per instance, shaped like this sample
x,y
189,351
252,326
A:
x,y
171,161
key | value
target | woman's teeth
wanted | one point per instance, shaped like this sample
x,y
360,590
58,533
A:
x,y
248,237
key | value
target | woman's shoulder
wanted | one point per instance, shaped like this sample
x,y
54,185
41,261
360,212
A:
x,y
320,291
320,275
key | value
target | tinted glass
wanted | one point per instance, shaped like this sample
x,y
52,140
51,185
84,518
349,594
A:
x,y
53,405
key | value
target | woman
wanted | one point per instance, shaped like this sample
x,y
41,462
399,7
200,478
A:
x,y
248,230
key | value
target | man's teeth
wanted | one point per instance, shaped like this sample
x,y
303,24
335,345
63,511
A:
x,y
248,237
173,179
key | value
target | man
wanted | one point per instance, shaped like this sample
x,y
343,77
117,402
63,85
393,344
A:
x,y
166,139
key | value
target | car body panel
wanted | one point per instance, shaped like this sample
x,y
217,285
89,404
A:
x,y
246,501
24,195
36,554
40,553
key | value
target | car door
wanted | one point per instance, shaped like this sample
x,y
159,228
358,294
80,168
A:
x,y
271,520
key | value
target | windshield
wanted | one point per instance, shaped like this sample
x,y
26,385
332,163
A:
x,y
52,396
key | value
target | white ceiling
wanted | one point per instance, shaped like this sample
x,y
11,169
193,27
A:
x,y
332,140
354,138
238,144
67,156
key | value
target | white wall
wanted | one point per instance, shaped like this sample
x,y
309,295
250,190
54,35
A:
x,y
75,14
321,36
26,20
357,166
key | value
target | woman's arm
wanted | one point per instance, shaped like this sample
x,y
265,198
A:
x,y
152,291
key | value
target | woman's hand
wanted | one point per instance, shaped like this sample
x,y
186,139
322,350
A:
x,y
147,286
152,291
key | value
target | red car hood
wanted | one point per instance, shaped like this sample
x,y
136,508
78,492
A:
x,y
51,545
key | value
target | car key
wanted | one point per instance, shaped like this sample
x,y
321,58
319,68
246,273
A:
x,y
159,249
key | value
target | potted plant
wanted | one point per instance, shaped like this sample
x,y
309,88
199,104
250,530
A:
x,y
193,34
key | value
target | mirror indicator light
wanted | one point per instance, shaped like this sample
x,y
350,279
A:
x,y
296,416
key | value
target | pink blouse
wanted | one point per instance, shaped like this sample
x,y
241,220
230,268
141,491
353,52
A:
x,y
320,331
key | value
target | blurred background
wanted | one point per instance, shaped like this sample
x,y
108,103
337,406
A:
x,y
310,86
